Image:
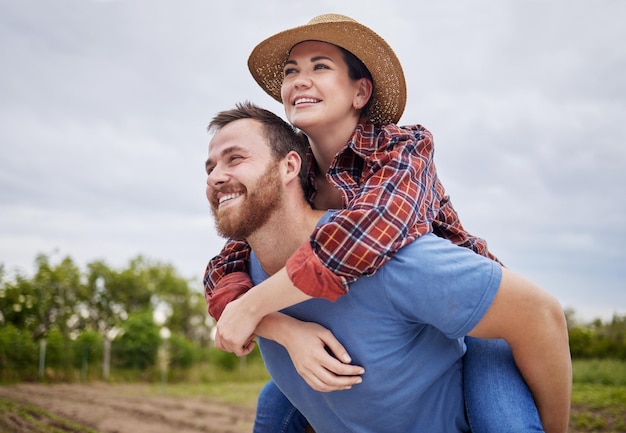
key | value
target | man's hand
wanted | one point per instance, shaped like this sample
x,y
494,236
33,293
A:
x,y
317,355
311,348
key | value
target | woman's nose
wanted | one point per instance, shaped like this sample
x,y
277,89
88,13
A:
x,y
303,80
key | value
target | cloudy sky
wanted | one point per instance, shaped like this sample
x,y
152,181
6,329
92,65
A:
x,y
104,107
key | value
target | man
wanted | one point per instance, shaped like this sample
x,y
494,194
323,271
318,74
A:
x,y
409,341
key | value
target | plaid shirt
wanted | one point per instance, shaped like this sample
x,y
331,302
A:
x,y
391,196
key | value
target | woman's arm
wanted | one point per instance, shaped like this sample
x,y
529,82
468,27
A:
x,y
392,195
226,277
392,199
236,328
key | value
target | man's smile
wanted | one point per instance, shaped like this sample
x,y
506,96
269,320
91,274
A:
x,y
224,199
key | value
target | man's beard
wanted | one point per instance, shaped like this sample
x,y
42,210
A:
x,y
256,209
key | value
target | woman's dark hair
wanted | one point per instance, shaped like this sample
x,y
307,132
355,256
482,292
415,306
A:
x,y
356,71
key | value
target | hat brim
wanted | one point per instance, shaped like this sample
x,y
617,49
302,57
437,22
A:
x,y
267,60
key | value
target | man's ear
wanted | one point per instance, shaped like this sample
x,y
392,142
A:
x,y
292,164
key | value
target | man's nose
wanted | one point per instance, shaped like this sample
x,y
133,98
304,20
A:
x,y
216,177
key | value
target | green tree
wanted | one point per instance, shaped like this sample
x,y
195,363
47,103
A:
x,y
133,287
187,311
17,304
103,307
44,302
55,290
71,309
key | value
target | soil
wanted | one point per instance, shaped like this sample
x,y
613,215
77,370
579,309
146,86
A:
x,y
122,409
133,409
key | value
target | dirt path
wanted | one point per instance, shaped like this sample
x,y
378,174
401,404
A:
x,y
126,409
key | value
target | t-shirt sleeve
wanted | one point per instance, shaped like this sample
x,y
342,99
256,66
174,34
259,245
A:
x,y
451,289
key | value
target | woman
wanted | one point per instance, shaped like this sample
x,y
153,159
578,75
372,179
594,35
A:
x,y
343,86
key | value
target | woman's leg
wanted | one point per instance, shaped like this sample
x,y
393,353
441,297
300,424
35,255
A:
x,y
496,396
276,414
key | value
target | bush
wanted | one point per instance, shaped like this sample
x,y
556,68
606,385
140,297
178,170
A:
x,y
580,342
225,360
58,354
87,348
18,352
599,340
138,345
183,352
600,372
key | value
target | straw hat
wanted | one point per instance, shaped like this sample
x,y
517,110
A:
x,y
268,58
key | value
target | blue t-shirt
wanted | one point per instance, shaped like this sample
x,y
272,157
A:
x,y
405,325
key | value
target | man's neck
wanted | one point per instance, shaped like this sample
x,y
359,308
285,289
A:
x,y
282,235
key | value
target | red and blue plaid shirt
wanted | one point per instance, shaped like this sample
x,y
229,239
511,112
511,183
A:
x,y
391,195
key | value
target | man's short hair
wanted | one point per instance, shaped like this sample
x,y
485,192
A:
x,y
281,136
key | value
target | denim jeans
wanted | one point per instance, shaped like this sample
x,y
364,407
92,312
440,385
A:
x,y
496,397
276,414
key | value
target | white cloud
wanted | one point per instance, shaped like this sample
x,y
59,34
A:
x,y
105,104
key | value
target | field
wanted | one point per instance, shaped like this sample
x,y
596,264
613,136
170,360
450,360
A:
x,y
598,405
102,408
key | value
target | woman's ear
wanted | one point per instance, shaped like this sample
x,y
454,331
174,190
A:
x,y
364,93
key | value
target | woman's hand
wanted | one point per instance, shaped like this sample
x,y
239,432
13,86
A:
x,y
236,326
235,329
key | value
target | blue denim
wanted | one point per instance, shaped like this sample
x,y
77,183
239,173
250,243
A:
x,y
497,398
276,414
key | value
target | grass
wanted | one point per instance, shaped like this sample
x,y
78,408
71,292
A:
x,y
241,393
600,372
595,407
22,417
598,397
598,408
